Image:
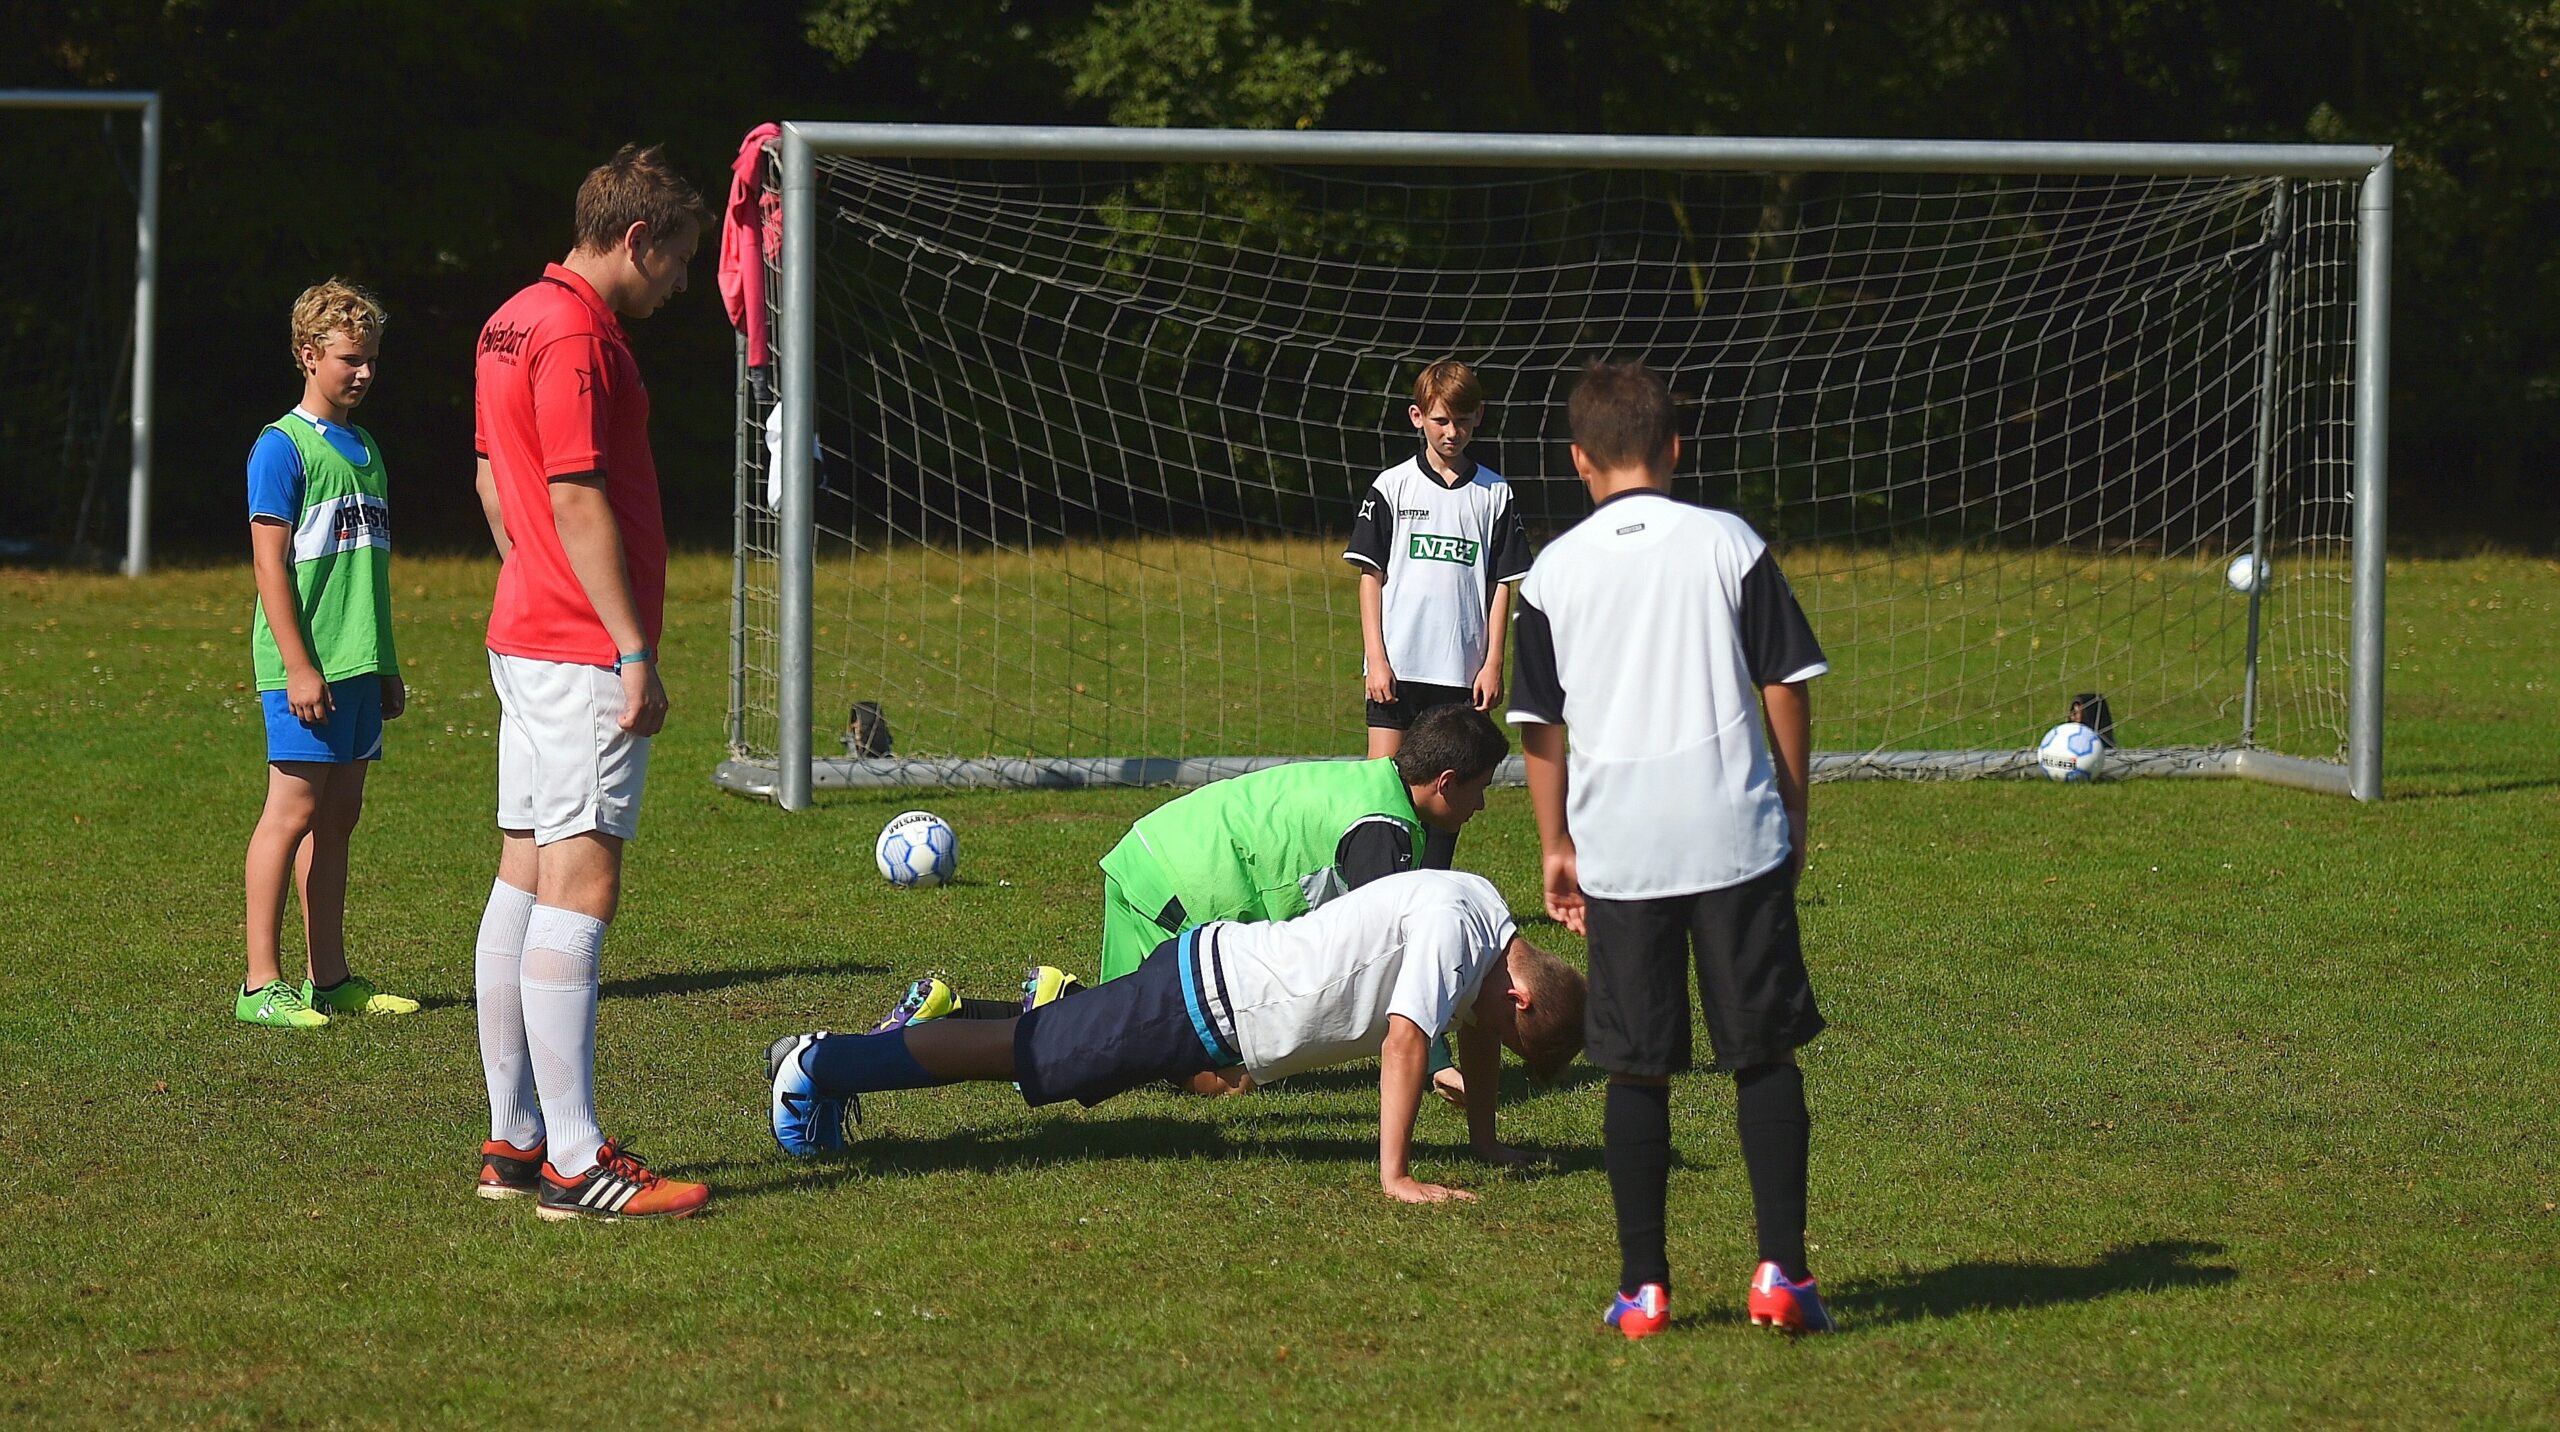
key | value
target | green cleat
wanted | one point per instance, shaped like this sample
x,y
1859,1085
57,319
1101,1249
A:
x,y
278,1006
356,995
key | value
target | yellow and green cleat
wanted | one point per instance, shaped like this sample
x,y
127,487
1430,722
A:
x,y
278,1006
929,998
1046,984
356,995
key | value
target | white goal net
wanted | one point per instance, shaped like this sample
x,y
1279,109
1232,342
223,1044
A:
x,y
1089,433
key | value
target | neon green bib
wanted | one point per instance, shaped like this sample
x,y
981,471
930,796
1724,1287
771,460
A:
x,y
1254,847
341,563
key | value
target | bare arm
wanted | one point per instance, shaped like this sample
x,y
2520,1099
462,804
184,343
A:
x,y
487,482
1400,1074
1373,636
1480,1064
592,541
1789,709
271,555
1544,746
1497,633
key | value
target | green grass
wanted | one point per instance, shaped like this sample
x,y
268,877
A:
x,y
2161,1103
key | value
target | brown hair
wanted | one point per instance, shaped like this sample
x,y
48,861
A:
x,y
635,186
1452,382
1551,1027
1450,738
334,306
1621,415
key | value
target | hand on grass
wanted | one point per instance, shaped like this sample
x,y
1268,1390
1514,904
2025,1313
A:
x,y
1408,1189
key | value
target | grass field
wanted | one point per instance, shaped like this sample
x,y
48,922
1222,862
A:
x,y
2165,1103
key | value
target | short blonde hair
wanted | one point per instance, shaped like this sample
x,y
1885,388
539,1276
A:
x,y
1551,1027
636,186
1452,382
335,306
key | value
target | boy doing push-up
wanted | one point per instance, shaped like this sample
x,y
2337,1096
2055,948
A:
x,y
1378,972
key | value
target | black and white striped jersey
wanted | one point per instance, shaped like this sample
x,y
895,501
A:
x,y
1649,629
1442,548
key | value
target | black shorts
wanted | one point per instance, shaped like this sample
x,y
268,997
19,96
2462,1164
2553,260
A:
x,y
1412,699
1751,978
1138,1029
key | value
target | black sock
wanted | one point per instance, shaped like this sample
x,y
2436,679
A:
x,y
1635,1134
989,1009
1777,1135
1439,849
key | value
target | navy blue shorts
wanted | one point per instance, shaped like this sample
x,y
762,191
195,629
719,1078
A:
x,y
1412,699
1147,1026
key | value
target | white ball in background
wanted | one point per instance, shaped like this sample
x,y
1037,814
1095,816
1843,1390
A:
x,y
2246,573
917,850
2072,752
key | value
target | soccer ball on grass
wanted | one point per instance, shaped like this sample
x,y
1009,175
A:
x,y
2072,752
917,851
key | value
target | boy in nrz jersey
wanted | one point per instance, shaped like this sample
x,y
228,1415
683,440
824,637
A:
x,y
1438,544
1375,974
1666,637
328,671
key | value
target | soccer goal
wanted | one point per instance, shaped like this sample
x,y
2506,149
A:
x,y
1048,477
81,237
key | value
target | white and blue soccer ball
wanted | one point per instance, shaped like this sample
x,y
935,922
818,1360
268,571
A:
x,y
917,851
2072,752
2246,573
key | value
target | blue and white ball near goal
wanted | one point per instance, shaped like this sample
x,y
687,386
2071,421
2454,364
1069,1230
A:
x,y
917,851
2072,752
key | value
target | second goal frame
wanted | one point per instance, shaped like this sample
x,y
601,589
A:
x,y
794,769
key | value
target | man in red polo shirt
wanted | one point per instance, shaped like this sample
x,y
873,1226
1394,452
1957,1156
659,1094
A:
x,y
571,494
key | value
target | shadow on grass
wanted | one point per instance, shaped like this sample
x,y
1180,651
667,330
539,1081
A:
x,y
1974,1287
1144,1138
682,982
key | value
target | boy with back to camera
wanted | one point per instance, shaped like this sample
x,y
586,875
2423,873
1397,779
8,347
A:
x,y
1665,636
328,670
1377,973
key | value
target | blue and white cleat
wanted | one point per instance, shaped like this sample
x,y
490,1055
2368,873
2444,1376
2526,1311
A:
x,y
1795,1307
805,1122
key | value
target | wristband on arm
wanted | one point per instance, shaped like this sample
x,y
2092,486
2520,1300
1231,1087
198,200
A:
x,y
632,658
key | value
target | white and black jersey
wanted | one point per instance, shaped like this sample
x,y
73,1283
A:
x,y
1441,548
1649,629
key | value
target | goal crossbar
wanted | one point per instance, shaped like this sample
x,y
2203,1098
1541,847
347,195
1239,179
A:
x,y
796,769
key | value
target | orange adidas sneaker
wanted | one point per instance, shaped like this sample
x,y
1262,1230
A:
x,y
509,1172
619,1186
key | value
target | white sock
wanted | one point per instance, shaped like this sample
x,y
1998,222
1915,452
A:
x,y
497,959
561,951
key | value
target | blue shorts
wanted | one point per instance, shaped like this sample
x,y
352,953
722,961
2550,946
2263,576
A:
x,y
1158,1022
353,731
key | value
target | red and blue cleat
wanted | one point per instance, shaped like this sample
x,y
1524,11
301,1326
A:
x,y
1794,1307
1643,1315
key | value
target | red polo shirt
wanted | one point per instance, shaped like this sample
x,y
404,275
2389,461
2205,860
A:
x,y
556,393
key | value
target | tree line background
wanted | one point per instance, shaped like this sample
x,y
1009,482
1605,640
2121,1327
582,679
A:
x,y
431,150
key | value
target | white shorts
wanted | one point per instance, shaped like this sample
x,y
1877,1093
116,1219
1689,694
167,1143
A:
x,y
565,765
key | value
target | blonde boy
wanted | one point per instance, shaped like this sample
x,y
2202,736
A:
x,y
328,672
